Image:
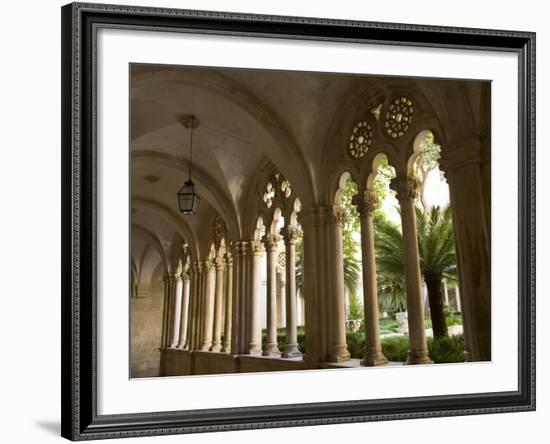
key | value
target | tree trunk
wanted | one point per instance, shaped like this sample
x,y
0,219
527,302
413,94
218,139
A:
x,y
437,305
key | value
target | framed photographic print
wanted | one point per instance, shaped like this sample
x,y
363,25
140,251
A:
x,y
280,221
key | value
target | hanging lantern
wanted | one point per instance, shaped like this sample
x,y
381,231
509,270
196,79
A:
x,y
188,199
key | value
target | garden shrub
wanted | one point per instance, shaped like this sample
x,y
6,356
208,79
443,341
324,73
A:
x,y
356,344
395,348
446,349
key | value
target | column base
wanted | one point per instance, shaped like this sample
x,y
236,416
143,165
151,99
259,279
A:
x,y
217,347
373,359
226,347
339,354
254,350
206,346
291,351
416,357
271,350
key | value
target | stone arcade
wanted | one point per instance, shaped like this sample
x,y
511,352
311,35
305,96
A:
x,y
272,153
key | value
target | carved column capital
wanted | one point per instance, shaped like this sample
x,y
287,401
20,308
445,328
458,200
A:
x,y
406,187
256,248
186,276
366,203
339,215
210,266
271,241
219,263
241,248
291,234
228,260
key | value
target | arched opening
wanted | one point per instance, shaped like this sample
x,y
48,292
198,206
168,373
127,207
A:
x,y
436,239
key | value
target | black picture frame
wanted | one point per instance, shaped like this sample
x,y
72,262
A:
x,y
80,420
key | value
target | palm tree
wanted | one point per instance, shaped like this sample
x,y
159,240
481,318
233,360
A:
x,y
437,259
436,248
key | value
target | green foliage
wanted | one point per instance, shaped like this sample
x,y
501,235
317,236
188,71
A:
x,y
352,224
446,349
390,272
395,348
356,344
427,160
355,308
441,350
388,325
436,245
381,182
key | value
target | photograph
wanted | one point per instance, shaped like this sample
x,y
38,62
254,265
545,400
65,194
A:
x,y
294,220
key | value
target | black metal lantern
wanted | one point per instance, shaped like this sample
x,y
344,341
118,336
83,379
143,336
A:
x,y
188,199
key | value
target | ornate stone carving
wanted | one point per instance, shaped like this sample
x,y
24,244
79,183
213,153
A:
x,y
405,187
256,248
228,260
339,215
271,241
210,266
368,204
360,140
281,260
241,248
398,117
291,234
220,263
219,229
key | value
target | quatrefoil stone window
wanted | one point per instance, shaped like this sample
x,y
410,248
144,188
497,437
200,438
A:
x,y
360,140
398,117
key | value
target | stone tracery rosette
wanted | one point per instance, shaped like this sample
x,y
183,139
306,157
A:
x,y
360,139
398,117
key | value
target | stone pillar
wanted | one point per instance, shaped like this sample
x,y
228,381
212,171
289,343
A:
x,y
407,192
208,308
218,305
228,304
182,342
239,337
196,293
291,235
176,312
255,333
271,242
166,309
373,351
339,349
281,292
468,176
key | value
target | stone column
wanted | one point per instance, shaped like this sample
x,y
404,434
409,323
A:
x,y
176,312
281,292
255,333
271,242
373,352
339,349
218,305
407,192
165,335
239,336
194,309
208,308
183,343
468,172
291,235
228,304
